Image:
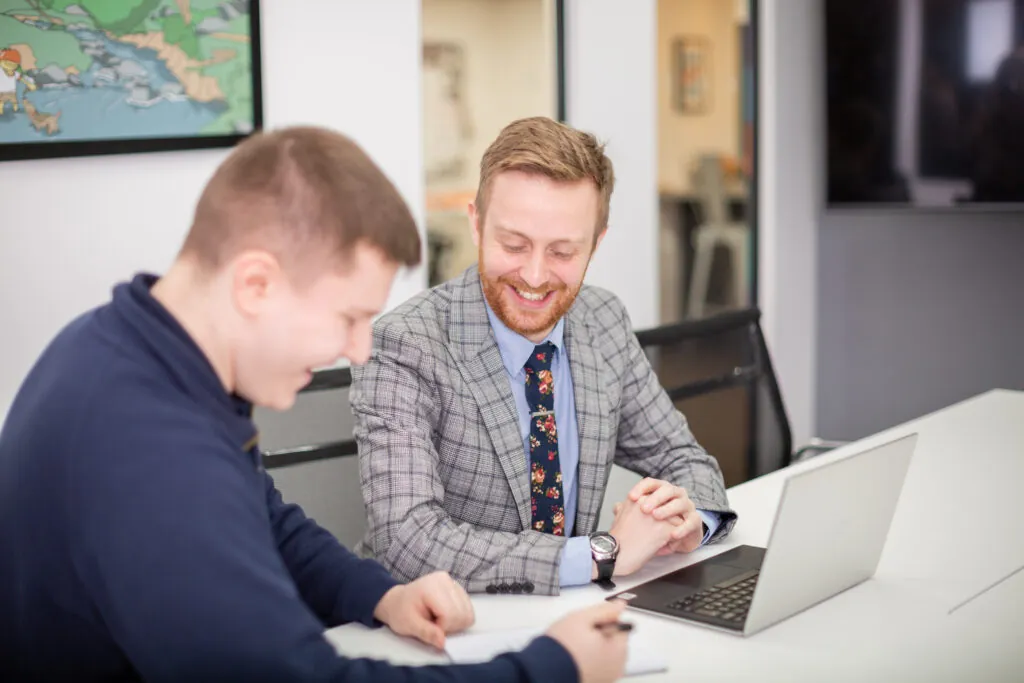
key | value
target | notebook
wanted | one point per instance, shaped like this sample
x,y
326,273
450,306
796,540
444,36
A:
x,y
472,648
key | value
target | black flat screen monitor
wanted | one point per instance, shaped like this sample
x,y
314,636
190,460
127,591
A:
x,y
925,103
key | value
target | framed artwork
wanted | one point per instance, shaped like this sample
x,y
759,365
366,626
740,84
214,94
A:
x,y
691,75
84,77
447,120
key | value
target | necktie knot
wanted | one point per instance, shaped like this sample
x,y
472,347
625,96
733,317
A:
x,y
540,359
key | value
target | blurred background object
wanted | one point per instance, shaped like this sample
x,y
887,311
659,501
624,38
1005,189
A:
x,y
486,63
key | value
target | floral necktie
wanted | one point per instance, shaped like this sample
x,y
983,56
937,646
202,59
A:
x,y
546,500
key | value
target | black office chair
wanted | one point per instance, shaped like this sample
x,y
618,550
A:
x,y
334,379
718,372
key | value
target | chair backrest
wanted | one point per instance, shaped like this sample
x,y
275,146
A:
x,y
310,453
718,372
335,380
709,187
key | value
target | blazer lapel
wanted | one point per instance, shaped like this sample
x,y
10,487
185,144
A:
x,y
590,381
481,368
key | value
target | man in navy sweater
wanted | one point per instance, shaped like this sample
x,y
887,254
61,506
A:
x,y
141,538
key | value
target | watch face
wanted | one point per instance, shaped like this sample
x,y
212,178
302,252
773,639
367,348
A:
x,y
602,544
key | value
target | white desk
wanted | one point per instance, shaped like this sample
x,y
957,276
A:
x,y
959,527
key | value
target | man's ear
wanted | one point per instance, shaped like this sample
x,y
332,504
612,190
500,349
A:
x,y
256,277
600,237
474,223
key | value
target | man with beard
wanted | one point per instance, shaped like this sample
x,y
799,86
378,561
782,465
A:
x,y
494,405
142,539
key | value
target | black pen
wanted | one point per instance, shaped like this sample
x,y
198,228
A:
x,y
616,626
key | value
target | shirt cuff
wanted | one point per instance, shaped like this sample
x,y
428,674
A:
x,y
712,520
577,564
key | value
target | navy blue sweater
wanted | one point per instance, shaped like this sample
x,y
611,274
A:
x,y
141,539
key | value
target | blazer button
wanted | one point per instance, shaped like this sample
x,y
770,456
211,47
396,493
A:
x,y
528,587
516,587
504,588
492,589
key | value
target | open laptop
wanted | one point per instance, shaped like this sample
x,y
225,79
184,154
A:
x,y
828,536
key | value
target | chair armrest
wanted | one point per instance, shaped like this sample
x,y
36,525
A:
x,y
298,455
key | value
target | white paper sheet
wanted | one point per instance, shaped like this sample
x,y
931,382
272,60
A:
x,y
471,648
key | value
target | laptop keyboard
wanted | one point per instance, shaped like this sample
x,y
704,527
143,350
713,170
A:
x,y
728,601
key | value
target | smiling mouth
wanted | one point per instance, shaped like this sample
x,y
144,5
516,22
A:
x,y
532,298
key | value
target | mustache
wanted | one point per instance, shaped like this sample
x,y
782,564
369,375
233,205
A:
x,y
541,291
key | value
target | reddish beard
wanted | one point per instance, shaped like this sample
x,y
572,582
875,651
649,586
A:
x,y
527,323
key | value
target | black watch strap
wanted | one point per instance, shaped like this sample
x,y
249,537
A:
x,y
605,569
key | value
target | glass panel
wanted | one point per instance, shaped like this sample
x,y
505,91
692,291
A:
x,y
706,138
485,64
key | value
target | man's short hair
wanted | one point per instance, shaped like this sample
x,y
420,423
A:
x,y
543,146
306,194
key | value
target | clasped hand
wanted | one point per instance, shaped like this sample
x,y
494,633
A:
x,y
657,518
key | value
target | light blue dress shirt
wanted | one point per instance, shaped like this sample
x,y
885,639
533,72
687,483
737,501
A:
x,y
515,349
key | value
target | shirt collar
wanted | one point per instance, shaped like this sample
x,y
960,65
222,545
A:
x,y
172,345
516,349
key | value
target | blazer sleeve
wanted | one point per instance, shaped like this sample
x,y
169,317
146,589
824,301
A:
x,y
654,439
396,409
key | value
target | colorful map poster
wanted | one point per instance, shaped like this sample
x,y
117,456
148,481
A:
x,y
101,76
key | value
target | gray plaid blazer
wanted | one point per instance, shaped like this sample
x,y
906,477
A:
x,y
444,473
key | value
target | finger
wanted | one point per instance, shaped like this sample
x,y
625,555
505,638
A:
x,y
691,543
642,488
470,610
464,608
439,601
689,508
605,612
455,609
677,507
690,523
431,634
662,495
687,544
675,520
419,623
615,648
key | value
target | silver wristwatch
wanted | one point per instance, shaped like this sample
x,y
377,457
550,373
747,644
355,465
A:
x,y
604,549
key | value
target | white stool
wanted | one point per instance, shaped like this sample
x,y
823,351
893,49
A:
x,y
715,230
735,238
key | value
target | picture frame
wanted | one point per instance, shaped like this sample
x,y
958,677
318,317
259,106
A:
x,y
446,112
691,75
91,77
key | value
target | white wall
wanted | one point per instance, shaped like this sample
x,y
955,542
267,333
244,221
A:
x,y
612,92
74,227
791,166
353,66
